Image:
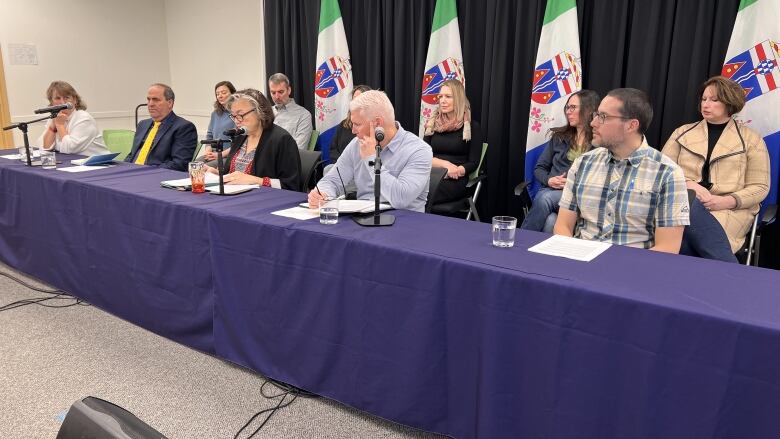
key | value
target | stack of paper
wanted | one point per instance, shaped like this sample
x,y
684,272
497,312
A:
x,y
357,206
186,183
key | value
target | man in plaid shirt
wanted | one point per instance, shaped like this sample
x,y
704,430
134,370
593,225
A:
x,y
626,192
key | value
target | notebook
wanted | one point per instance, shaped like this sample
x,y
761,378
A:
x,y
100,159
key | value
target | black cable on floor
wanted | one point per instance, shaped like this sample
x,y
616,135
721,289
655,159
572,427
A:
x,y
55,295
30,286
287,390
38,301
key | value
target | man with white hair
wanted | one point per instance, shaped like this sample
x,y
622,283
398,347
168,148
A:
x,y
406,159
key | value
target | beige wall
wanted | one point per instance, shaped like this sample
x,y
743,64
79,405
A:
x,y
111,50
108,50
217,41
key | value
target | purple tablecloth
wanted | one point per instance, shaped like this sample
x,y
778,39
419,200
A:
x,y
424,323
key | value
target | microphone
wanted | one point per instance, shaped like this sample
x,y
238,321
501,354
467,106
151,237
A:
x,y
54,108
233,132
379,134
342,183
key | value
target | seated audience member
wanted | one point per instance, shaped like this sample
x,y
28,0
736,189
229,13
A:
x,y
289,115
566,143
220,120
406,159
726,165
344,134
626,192
73,131
455,139
266,155
166,140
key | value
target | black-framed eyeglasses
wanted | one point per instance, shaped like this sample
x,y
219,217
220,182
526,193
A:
x,y
240,117
602,117
568,108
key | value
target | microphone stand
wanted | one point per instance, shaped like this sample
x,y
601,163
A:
x,y
23,128
217,145
377,219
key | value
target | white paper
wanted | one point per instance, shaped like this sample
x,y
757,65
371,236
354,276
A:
x,y
572,248
23,54
35,154
233,188
356,206
299,213
186,182
83,168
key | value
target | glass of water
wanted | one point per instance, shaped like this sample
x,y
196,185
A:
x,y
48,159
504,231
23,153
329,211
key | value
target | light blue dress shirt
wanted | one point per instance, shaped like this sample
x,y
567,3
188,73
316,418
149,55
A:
x,y
405,175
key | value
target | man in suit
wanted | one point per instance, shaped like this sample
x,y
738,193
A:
x,y
166,140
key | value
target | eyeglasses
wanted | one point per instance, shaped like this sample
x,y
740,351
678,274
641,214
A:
x,y
568,108
602,117
240,117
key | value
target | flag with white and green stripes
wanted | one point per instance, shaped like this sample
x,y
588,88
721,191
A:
x,y
444,60
558,74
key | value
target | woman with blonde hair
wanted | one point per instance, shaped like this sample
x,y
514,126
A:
x,y
456,140
73,131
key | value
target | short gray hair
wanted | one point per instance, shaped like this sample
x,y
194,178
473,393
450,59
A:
x,y
373,103
278,78
167,91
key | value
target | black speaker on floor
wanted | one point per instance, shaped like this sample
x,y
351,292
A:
x,y
94,418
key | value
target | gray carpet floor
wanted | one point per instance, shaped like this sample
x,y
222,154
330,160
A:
x,y
52,357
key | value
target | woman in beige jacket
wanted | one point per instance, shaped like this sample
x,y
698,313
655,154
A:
x,y
726,165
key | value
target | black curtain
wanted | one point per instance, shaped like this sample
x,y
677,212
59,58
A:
x,y
664,47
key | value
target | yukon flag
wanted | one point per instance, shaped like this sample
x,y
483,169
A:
x,y
752,61
444,60
558,74
333,75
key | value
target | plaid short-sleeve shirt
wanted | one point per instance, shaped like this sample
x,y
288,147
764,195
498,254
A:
x,y
624,201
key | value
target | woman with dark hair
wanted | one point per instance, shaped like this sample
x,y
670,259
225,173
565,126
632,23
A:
x,y
344,134
267,154
726,165
73,131
456,140
567,142
220,118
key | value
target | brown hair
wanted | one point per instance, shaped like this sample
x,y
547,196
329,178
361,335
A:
x,y
260,105
729,92
589,102
217,106
636,105
347,122
66,91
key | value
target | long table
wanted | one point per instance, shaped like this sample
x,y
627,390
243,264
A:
x,y
423,323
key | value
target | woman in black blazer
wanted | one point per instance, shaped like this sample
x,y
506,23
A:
x,y
267,154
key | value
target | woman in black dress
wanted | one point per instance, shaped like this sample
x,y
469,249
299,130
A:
x,y
456,140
